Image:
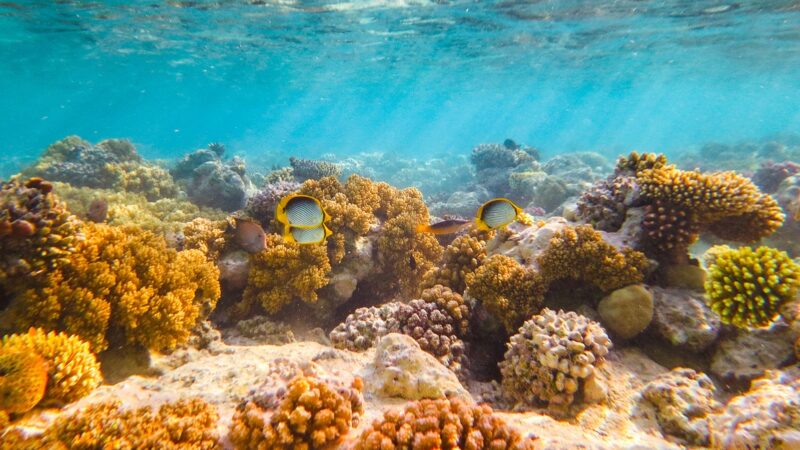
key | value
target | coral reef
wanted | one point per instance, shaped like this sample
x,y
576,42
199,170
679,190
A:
x,y
212,182
627,311
261,206
770,174
682,318
580,253
551,357
766,416
306,169
72,369
206,235
489,156
310,414
461,258
452,303
506,289
362,328
125,284
283,272
434,328
262,330
37,233
748,287
23,377
741,357
447,424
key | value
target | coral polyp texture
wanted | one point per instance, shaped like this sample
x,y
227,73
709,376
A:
x,y
551,357
451,302
23,377
435,330
509,291
72,369
580,253
37,232
124,284
461,258
185,424
309,169
310,414
747,287
205,235
447,424
362,328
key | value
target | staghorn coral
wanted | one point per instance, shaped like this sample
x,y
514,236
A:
x,y
23,377
551,357
450,302
72,369
307,169
434,329
447,424
311,414
37,233
125,284
283,272
580,253
461,258
205,235
364,326
183,425
507,290
748,287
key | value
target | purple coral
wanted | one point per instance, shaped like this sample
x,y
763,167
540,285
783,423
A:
x,y
262,205
770,175
434,328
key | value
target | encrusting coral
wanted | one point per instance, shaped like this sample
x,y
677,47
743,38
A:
x,y
125,283
551,357
507,290
185,424
580,253
447,424
310,414
72,369
37,233
748,287
23,377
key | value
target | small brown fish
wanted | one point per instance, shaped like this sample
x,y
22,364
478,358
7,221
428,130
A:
x,y
250,236
448,226
98,210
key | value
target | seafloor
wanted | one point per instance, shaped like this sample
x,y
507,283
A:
x,y
642,303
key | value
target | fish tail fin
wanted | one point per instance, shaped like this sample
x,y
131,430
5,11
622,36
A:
x,y
424,228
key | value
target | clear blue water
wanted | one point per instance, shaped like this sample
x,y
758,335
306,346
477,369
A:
x,y
413,77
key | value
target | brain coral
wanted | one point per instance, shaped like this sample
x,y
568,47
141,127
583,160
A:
x,y
580,253
23,377
747,287
550,357
72,369
125,284
36,231
311,414
508,290
185,424
447,424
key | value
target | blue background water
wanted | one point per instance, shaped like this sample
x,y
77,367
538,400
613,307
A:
x,y
309,77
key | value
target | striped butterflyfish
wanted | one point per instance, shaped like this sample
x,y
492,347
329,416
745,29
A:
x,y
448,226
496,213
304,236
300,211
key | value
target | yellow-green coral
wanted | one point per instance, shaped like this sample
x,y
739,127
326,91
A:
x,y
23,377
151,181
168,215
507,290
462,257
72,369
122,282
37,233
313,415
283,272
580,253
747,287
186,424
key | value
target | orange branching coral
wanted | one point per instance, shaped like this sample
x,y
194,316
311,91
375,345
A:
x,y
23,377
283,272
122,282
407,255
711,197
580,253
446,424
205,235
313,414
184,425
36,230
508,290
462,257
72,369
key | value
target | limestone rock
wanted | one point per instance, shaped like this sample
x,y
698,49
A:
x,y
683,319
749,353
627,311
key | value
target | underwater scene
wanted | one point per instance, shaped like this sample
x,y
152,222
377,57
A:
x,y
400,224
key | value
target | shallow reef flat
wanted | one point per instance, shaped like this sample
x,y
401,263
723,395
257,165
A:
x,y
630,304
